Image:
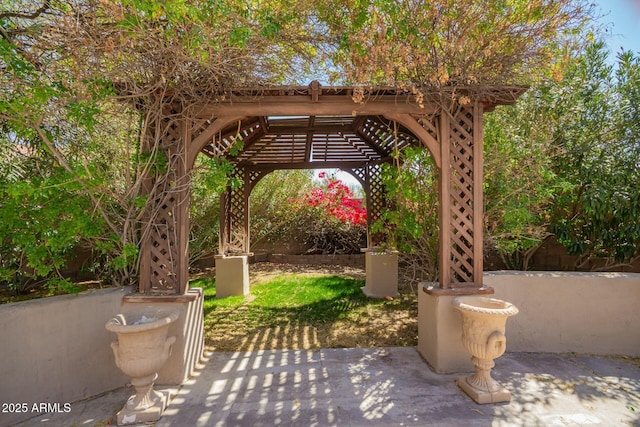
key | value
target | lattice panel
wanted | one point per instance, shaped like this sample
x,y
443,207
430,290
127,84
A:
x,y
170,134
378,202
163,246
376,192
462,190
383,136
197,126
163,240
255,175
163,269
371,179
361,175
234,227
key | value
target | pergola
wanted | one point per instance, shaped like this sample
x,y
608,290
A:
x,y
321,127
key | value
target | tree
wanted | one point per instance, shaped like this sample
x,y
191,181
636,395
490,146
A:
x,y
411,222
597,215
434,48
273,221
519,178
77,75
564,162
44,219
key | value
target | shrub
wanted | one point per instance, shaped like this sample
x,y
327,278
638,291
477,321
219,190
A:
x,y
329,219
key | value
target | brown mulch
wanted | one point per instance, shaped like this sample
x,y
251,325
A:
x,y
263,271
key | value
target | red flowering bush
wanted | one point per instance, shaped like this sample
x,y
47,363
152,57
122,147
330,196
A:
x,y
330,218
337,201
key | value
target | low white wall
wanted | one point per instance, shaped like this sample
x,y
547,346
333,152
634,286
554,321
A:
x,y
596,313
56,350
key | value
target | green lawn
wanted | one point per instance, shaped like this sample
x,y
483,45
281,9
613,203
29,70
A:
x,y
306,311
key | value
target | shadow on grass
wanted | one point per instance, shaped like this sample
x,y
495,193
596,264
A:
x,y
301,312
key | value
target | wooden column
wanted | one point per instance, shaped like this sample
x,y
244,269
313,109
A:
x,y
478,194
183,185
165,231
445,203
234,216
461,200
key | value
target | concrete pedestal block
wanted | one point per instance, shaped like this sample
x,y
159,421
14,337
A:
x,y
382,274
232,276
440,333
187,351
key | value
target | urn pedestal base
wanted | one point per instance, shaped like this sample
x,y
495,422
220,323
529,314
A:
x,y
482,397
129,415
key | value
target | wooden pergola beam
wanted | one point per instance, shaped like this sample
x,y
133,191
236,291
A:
x,y
338,164
295,106
195,145
412,125
311,129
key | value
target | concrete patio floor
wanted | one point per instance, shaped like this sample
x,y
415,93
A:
x,y
382,387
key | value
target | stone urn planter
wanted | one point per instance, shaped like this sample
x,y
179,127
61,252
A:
x,y
141,350
483,327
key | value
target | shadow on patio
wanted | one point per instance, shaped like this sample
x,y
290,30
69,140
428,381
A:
x,y
394,386
383,387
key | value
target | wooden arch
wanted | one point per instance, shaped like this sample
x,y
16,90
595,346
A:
x,y
356,144
316,127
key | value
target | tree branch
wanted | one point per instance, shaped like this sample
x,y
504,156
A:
x,y
21,15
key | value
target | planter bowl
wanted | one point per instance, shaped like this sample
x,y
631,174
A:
x,y
141,350
483,335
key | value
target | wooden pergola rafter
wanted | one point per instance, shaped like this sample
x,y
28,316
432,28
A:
x,y
318,127
286,141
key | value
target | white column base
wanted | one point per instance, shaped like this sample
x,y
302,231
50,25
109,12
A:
x,y
382,274
232,276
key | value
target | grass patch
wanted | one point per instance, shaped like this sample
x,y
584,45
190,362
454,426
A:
x,y
302,311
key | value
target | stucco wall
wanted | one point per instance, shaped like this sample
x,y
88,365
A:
x,y
56,350
595,313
